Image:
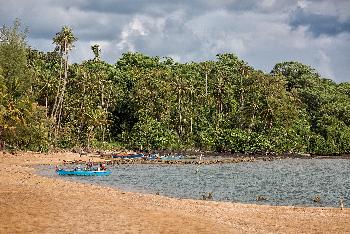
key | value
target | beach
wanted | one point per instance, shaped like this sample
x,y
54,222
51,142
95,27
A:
x,y
33,203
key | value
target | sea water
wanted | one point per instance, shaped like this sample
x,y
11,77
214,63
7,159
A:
x,y
297,182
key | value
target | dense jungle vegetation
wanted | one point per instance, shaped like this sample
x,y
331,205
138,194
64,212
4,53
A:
x,y
143,102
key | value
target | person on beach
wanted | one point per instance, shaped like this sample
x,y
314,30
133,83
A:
x,y
102,167
89,165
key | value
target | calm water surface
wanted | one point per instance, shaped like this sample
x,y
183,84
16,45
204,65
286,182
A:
x,y
281,182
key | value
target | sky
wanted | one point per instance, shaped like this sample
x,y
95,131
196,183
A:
x,y
261,32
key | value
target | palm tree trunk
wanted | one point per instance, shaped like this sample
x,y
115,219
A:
x,y
61,99
206,84
180,114
54,109
191,111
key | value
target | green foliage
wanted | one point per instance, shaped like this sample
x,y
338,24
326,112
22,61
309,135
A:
x,y
150,134
111,146
13,60
64,40
89,95
22,121
23,126
144,102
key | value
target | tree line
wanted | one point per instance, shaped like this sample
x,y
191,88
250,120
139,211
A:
x,y
148,103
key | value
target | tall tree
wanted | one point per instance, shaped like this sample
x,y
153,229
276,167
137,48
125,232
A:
x,y
22,121
97,51
64,43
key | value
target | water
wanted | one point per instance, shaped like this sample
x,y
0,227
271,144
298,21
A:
x,y
281,182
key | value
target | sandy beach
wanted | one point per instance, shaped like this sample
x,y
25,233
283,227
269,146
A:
x,y
36,204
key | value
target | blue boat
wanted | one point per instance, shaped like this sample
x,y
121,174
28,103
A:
x,y
80,172
151,157
128,156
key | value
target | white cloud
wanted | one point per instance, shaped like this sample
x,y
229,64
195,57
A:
x,y
303,4
323,64
134,28
267,3
257,31
139,27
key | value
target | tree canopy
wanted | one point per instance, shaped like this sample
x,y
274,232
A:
x,y
144,102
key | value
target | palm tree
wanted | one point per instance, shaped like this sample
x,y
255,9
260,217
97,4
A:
x,y
97,51
64,43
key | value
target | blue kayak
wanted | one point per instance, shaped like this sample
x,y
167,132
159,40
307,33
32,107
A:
x,y
80,172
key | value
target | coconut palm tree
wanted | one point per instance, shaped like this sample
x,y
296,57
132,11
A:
x,y
64,43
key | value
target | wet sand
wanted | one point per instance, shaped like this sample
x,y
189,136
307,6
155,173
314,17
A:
x,y
32,203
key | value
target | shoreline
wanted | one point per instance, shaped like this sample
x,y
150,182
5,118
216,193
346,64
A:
x,y
207,160
33,203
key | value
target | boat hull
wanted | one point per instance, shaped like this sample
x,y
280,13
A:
x,y
128,156
83,173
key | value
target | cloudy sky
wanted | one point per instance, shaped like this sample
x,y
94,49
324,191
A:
x,y
262,32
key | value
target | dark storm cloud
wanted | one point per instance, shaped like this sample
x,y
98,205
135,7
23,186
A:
x,y
128,7
319,24
158,7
